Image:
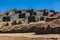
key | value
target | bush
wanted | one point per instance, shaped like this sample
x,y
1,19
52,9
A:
x,y
14,23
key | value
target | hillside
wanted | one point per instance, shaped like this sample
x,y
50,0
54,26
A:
x,y
41,22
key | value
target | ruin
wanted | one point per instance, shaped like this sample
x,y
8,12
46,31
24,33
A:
x,y
19,17
30,15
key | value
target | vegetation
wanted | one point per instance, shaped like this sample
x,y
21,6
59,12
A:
x,y
14,9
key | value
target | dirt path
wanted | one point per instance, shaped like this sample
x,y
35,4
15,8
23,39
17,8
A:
x,y
28,36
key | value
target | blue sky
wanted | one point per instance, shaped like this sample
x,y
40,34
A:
x,y
6,5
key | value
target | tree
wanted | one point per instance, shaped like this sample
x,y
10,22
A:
x,y
52,11
7,13
14,9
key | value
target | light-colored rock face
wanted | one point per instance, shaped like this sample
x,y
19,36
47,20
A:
x,y
39,14
14,16
50,13
1,19
27,14
23,11
11,13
